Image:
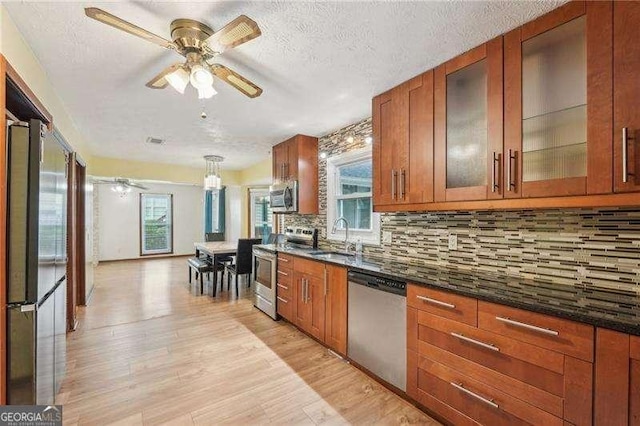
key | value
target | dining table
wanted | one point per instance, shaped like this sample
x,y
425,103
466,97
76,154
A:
x,y
216,250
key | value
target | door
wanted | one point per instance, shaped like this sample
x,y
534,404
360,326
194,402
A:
x,y
558,103
468,125
260,214
388,128
316,306
336,308
626,114
277,155
301,309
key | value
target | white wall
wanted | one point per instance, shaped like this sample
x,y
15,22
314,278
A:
x,y
119,220
233,213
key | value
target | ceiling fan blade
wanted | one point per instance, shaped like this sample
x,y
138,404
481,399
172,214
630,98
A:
x,y
137,185
159,81
240,30
109,19
236,80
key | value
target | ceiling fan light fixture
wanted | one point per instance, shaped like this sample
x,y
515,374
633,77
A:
x,y
178,79
206,92
200,77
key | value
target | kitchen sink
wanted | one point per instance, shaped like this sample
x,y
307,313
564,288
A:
x,y
332,255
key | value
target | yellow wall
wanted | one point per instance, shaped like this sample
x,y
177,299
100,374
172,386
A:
x,y
258,175
22,59
114,167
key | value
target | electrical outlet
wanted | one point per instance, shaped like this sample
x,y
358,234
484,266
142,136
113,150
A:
x,y
386,236
453,242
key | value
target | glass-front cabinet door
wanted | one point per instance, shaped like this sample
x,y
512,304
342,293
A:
x,y
556,78
468,125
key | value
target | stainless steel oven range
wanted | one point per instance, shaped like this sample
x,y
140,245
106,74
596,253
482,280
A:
x,y
264,272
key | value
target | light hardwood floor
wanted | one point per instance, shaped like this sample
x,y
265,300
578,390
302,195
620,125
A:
x,y
149,351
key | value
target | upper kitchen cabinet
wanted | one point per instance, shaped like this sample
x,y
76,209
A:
x,y
403,143
626,112
296,159
558,87
468,102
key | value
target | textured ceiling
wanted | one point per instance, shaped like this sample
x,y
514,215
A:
x,y
319,63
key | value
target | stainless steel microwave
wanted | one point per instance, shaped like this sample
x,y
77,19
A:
x,y
284,197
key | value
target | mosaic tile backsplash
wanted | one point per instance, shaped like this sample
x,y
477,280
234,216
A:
x,y
594,247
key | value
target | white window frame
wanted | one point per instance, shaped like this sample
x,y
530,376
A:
x,y
370,237
169,249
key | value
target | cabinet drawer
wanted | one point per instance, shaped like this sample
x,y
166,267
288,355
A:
x,y
444,304
553,333
311,267
285,289
529,364
284,307
285,261
284,276
481,402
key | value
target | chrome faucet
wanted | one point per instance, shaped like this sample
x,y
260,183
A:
x,y
347,244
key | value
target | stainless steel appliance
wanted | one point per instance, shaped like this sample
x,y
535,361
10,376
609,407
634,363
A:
x,y
264,273
284,197
265,267
36,264
377,324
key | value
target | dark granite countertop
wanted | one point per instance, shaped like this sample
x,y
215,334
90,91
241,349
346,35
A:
x,y
602,307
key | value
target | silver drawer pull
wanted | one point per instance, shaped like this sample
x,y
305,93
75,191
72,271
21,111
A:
x,y
528,326
283,273
280,259
437,302
461,388
475,342
283,286
282,300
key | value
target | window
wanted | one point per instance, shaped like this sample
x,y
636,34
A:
x,y
156,224
214,211
261,217
349,186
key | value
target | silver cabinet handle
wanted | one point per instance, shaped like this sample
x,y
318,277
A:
x,y
513,157
282,171
402,183
528,326
325,281
282,300
282,286
281,259
625,154
461,388
283,273
393,184
306,286
495,182
304,297
437,302
475,342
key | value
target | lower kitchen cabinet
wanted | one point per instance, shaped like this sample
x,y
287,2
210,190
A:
x,y
617,378
315,300
335,334
526,373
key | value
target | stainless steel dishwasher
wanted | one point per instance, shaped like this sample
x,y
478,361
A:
x,y
377,326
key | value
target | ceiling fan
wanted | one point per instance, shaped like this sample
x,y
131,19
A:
x,y
121,185
198,43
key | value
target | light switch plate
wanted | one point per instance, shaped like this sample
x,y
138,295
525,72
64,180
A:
x,y
386,236
453,242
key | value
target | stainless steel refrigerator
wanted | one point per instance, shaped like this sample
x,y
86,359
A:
x,y
36,264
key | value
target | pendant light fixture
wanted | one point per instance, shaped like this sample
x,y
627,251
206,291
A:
x,y
212,178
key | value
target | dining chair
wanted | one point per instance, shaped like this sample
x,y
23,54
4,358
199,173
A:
x,y
244,261
221,261
214,236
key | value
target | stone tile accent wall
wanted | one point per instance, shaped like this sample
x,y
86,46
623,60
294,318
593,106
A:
x,y
586,247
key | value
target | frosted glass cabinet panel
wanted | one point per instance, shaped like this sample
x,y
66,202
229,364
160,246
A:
x,y
467,126
554,103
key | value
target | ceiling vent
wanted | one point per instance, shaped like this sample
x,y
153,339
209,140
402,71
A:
x,y
155,141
